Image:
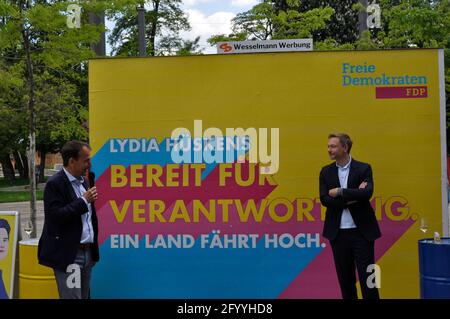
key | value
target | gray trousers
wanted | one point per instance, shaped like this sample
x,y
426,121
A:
x,y
74,283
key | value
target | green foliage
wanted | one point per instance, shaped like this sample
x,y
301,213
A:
x,y
269,20
164,21
343,24
257,23
58,56
294,24
13,116
213,40
189,47
413,24
59,114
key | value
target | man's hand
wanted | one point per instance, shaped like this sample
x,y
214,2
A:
x,y
334,192
91,194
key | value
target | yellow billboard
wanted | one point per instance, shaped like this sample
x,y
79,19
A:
x,y
208,169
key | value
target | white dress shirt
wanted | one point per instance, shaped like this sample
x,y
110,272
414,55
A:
x,y
87,236
346,218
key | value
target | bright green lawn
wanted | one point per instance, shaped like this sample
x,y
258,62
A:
x,y
10,197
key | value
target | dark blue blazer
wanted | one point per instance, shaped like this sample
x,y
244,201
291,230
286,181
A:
x,y
3,293
62,231
353,198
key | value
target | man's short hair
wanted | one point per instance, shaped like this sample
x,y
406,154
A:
x,y
344,139
4,224
72,150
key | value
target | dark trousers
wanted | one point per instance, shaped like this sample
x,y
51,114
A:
x,y
352,251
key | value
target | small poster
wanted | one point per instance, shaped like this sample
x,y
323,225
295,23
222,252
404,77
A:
x,y
8,239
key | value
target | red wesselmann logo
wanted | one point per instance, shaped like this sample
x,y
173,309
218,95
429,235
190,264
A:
x,y
226,47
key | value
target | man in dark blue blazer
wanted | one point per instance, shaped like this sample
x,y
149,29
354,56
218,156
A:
x,y
69,240
346,187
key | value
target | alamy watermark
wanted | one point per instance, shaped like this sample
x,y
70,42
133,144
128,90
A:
x,y
74,16
374,279
212,146
373,16
74,279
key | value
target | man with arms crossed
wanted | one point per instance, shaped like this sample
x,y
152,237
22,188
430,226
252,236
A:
x,y
346,187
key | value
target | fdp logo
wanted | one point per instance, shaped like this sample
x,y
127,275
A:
x,y
226,47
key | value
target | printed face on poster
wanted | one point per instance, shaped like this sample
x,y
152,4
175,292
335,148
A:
x,y
8,240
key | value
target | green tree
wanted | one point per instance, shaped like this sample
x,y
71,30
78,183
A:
x,y
13,116
164,21
213,40
42,56
178,46
36,40
296,24
59,115
268,20
343,24
256,23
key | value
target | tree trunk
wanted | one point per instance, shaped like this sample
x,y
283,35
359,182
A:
x,y
154,25
32,120
362,18
100,47
43,154
8,169
141,31
25,164
21,164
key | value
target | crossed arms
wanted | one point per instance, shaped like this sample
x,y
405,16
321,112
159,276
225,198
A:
x,y
343,197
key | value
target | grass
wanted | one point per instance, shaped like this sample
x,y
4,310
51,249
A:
x,y
17,182
19,196
11,197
